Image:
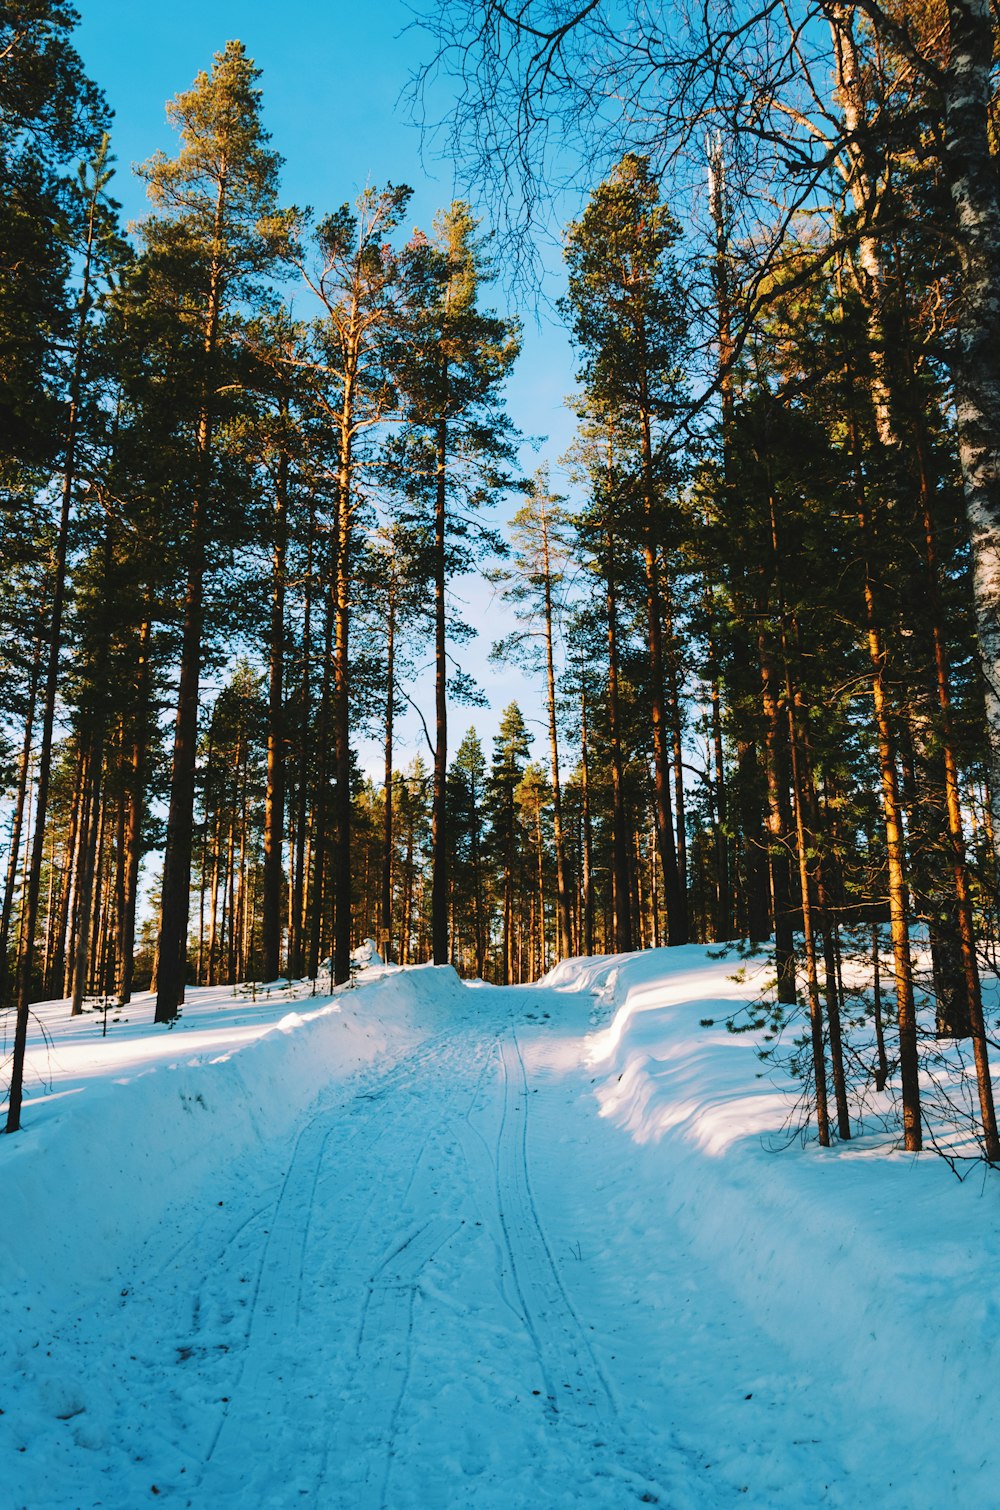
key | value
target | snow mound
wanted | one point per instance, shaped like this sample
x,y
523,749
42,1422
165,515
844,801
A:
x,y
126,1125
880,1259
366,955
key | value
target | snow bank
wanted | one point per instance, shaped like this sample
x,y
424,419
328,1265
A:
x,y
880,1260
117,1129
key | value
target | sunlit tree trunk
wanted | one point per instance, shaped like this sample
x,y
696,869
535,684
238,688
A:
x,y
274,799
439,818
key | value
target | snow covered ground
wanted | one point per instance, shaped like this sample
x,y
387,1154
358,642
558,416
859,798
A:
x,y
426,1244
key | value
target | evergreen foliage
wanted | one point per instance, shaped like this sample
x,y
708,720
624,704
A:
x,y
755,620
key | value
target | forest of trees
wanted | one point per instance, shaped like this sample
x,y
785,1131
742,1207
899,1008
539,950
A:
x,y
757,627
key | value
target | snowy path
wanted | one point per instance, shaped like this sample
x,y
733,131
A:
x,y
405,1324
408,1325
395,1326
446,1289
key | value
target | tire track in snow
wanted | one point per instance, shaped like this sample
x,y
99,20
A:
x,y
574,1382
578,1392
273,1303
272,1334
377,1377
350,1230
383,1359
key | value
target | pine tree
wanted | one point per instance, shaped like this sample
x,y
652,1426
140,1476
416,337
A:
x,y
627,313
358,278
600,461
537,535
393,599
511,746
215,237
467,791
452,373
100,248
52,117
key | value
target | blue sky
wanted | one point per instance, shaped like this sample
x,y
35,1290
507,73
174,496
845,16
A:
x,y
332,77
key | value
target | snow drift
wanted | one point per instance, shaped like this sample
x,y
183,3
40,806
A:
x,y
143,1119
879,1261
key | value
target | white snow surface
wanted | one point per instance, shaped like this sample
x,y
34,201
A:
x,y
424,1244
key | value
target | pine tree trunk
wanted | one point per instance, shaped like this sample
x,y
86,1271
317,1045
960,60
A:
x,y
721,278
239,972
237,842
565,935
588,833
175,902
803,846
136,809
675,721
90,830
26,860
620,887
749,803
540,872
56,956
175,899
213,905
112,972
971,171
201,974
677,927
971,1017
882,1069
833,1017
319,815
341,877
956,972
477,888
640,897
778,827
274,798
508,896
892,814
88,909
439,817
17,824
723,890
32,889
110,896
89,971
826,924
406,928
297,913
228,920
385,899
50,905
654,898
81,828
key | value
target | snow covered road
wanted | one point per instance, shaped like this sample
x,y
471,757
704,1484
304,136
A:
x,y
447,1282
409,1338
